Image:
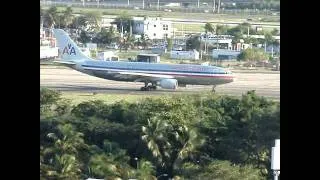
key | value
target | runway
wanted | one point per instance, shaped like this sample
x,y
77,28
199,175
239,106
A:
x,y
68,80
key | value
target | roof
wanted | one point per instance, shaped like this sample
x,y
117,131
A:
x,y
148,54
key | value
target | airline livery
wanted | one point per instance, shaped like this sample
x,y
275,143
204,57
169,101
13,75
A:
x,y
166,76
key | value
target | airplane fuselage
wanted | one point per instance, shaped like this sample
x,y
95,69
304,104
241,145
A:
x,y
184,74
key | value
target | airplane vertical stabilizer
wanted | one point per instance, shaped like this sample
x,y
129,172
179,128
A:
x,y
68,50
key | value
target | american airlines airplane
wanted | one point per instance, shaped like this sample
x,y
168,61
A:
x,y
166,76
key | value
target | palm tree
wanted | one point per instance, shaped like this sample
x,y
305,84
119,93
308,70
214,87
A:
x,y
51,17
153,134
93,19
208,28
70,142
67,167
145,41
126,42
109,166
145,170
64,154
169,143
68,16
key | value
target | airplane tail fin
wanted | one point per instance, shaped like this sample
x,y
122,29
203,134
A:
x,y
68,50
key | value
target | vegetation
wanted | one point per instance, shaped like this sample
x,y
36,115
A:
x,y
185,136
253,55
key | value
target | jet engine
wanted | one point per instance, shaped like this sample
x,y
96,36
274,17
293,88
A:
x,y
169,83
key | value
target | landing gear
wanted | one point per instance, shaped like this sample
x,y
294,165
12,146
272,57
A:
x,y
213,88
148,87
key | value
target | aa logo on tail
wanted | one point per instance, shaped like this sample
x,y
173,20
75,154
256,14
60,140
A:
x,y
69,50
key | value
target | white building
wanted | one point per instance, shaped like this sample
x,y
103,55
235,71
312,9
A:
x,y
154,28
107,56
221,40
194,55
48,47
225,54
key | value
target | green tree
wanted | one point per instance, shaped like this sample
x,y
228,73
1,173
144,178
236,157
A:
x,y
253,55
169,41
104,36
193,43
65,153
79,22
220,29
269,39
172,147
144,41
145,170
48,98
70,142
275,32
67,17
93,19
224,170
51,17
208,28
106,166
84,37
126,42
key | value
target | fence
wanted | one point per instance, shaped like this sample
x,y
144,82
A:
x,y
154,7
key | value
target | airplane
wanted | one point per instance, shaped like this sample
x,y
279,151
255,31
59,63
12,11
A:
x,y
166,76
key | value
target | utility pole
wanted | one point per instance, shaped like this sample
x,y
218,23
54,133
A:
x,y
214,6
275,159
128,2
158,5
198,3
142,4
219,6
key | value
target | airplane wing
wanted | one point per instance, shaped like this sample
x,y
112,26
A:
x,y
65,62
139,77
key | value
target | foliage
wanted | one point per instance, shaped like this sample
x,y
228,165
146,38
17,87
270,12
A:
x,y
51,17
186,137
48,98
224,170
193,43
93,18
253,55
170,45
105,36
208,28
84,37
221,29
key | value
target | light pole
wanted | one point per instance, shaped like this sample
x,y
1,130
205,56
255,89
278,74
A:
x,y
158,5
275,159
142,4
136,159
165,175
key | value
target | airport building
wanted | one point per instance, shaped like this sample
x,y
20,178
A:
x,y
48,47
154,28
